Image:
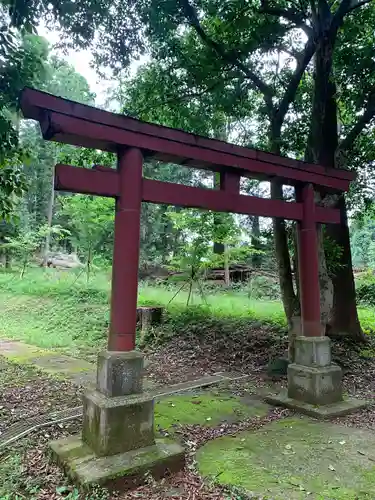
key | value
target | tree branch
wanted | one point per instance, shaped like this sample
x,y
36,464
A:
x,y
340,13
267,46
177,99
291,15
356,5
361,124
291,90
325,8
228,57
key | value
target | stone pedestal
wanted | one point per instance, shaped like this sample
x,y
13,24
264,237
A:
x,y
117,446
314,382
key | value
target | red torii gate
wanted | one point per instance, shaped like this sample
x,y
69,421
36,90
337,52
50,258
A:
x,y
117,419
77,124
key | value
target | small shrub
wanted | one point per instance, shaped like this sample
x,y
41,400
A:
x,y
264,288
366,293
92,295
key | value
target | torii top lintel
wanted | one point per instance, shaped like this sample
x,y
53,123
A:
x,y
81,125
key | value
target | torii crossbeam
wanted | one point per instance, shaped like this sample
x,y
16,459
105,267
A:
x,y
72,123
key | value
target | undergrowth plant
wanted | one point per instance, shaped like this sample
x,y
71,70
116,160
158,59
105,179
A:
x,y
25,245
200,230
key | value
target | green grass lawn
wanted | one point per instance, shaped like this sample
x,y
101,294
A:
x,y
58,309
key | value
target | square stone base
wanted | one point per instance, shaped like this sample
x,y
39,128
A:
x,y
313,351
327,411
121,471
119,373
316,385
117,425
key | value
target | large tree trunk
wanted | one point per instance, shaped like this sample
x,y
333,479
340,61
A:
x,y
321,147
343,321
288,296
325,281
290,302
226,267
7,259
339,311
218,247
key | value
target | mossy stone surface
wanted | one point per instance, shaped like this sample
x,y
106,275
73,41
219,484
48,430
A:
x,y
206,408
85,468
58,365
296,459
117,425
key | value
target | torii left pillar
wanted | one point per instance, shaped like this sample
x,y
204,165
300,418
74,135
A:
x,y
126,252
118,447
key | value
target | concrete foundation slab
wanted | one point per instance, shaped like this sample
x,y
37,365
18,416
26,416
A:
x,y
327,411
121,471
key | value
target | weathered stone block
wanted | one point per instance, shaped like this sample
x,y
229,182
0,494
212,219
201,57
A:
x,y
312,351
117,425
119,373
118,472
147,317
316,385
333,410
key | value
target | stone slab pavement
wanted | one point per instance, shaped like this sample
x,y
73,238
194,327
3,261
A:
x,y
83,373
79,371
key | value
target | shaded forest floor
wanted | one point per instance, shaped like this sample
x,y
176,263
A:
x,y
48,310
26,471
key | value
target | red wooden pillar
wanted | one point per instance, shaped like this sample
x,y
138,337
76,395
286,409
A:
x,y
230,182
309,266
126,252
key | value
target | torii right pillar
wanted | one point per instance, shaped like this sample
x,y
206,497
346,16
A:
x,y
314,382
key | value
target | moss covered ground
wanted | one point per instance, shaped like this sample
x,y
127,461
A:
x,y
206,408
291,458
296,459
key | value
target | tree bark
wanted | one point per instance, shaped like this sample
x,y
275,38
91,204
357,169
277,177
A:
x,y
226,267
288,296
325,281
339,310
290,302
49,221
255,241
296,262
321,146
343,320
7,259
218,247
